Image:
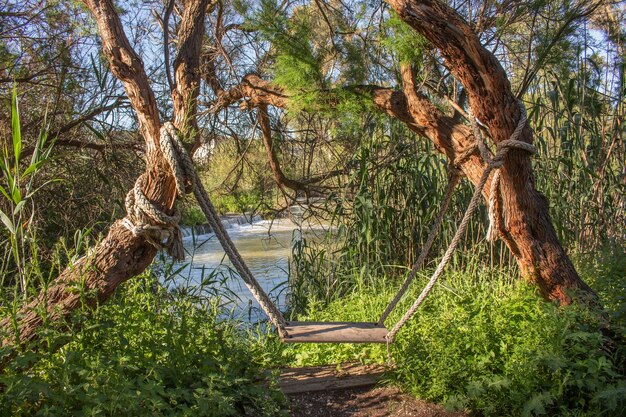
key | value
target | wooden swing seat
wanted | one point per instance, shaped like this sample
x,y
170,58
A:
x,y
334,332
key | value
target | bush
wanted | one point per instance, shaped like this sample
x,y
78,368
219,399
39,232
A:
x,y
490,346
192,215
143,353
240,202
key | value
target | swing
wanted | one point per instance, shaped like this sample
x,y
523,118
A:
x,y
342,332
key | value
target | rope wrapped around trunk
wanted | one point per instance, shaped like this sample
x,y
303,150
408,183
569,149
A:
x,y
493,232
144,219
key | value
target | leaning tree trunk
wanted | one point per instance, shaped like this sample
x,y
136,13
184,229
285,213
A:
x,y
122,255
526,226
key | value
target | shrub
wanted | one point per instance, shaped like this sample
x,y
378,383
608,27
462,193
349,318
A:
x,y
143,353
490,346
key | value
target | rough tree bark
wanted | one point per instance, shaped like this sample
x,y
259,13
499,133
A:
x,y
528,230
121,255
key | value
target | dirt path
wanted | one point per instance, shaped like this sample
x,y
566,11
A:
x,y
364,402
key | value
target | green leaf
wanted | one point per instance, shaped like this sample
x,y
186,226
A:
x,y
15,126
19,207
536,404
31,168
7,222
4,192
12,183
17,195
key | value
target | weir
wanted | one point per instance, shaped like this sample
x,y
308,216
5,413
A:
x,y
266,247
229,221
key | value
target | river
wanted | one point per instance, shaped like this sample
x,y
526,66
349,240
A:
x,y
264,245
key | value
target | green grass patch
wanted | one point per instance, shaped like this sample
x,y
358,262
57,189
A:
x,y
489,345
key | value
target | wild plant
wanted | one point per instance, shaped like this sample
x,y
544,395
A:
x,y
19,262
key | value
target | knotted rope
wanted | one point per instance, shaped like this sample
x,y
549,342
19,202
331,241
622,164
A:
x,y
492,164
493,231
144,219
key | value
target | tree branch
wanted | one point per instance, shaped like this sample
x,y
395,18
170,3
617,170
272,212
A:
x,y
86,117
187,67
279,176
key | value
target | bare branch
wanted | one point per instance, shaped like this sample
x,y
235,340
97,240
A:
x,y
166,43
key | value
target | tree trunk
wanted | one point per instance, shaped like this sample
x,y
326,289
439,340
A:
x,y
121,255
527,227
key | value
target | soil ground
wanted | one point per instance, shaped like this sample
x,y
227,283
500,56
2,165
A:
x,y
364,402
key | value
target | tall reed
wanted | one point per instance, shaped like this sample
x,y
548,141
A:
x,y
20,261
384,213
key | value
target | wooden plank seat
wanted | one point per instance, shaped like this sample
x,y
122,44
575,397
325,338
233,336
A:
x,y
334,332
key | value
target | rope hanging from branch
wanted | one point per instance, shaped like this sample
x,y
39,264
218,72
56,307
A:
x,y
492,164
144,219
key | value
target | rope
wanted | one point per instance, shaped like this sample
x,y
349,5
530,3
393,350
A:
x,y
182,167
493,231
144,219
492,164
454,175
446,257
464,156
453,179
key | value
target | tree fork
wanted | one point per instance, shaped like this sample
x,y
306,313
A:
x,y
121,255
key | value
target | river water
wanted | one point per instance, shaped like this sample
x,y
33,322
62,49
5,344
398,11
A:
x,y
266,248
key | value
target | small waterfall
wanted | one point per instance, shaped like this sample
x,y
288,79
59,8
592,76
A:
x,y
267,258
229,221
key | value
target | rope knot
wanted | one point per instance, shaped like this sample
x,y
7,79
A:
x,y
143,218
496,162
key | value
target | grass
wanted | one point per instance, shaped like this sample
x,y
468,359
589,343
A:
x,y
487,344
483,342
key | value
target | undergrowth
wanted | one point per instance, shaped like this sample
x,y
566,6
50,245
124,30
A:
x,y
144,353
487,344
